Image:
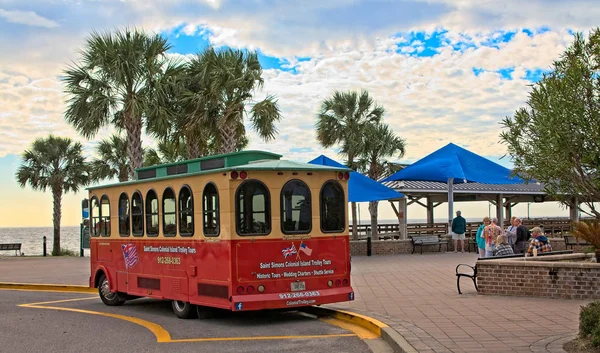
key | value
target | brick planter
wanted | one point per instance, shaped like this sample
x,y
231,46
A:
x,y
556,276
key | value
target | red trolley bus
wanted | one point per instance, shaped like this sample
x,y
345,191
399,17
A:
x,y
239,231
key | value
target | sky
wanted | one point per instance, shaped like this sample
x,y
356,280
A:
x,y
444,70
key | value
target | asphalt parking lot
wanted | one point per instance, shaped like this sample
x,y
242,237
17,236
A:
x,y
74,322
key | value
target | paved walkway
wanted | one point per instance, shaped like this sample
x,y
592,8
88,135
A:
x,y
414,294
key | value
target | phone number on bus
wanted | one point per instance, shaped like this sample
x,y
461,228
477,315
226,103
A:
x,y
166,260
299,295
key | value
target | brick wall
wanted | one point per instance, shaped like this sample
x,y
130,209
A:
x,y
549,279
384,247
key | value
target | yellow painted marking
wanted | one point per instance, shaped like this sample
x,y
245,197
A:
x,y
43,290
257,338
58,301
161,334
48,287
360,331
358,317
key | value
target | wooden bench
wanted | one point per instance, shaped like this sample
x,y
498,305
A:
x,y
421,240
11,246
473,269
572,241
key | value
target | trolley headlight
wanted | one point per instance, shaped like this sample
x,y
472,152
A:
x,y
261,288
330,283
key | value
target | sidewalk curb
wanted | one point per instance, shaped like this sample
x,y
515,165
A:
x,y
388,334
48,287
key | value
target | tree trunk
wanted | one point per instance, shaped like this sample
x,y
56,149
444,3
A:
x,y
134,143
123,174
57,195
228,138
373,211
192,146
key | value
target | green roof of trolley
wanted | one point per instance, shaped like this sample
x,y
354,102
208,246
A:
x,y
243,160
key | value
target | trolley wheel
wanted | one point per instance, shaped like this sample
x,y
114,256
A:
x,y
183,310
203,312
109,298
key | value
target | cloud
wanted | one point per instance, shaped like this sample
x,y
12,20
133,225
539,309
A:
x,y
28,18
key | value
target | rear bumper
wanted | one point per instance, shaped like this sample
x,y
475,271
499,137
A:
x,y
291,300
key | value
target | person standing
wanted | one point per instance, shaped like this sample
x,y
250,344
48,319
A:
x,y
459,228
511,232
522,236
480,237
491,233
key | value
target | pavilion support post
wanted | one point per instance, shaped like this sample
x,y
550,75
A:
x,y
430,207
450,201
574,210
508,210
500,210
401,214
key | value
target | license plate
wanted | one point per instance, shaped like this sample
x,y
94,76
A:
x,y
296,286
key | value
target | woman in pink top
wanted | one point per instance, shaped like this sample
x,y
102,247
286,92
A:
x,y
490,233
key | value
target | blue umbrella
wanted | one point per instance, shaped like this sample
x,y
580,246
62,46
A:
x,y
451,163
360,187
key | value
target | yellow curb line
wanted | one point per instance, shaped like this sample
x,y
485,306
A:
x,y
47,287
378,328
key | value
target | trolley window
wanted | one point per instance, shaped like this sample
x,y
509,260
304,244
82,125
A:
x,y
186,212
95,216
169,213
151,214
333,206
295,208
253,209
104,216
124,215
137,214
210,210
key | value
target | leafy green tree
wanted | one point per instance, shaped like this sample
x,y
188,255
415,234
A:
x,y
57,164
121,81
342,120
555,138
379,143
112,161
225,82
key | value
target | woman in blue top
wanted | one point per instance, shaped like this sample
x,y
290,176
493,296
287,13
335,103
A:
x,y
480,238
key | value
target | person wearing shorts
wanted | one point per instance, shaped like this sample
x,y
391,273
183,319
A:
x,y
459,228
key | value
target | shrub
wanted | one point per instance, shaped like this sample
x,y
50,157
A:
x,y
589,322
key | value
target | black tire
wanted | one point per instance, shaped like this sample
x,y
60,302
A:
x,y
109,298
183,310
203,312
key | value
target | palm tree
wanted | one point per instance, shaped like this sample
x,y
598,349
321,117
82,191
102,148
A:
x,y
57,164
120,81
342,120
167,151
379,143
225,82
112,161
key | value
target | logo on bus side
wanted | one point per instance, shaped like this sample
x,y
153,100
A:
x,y
292,250
130,255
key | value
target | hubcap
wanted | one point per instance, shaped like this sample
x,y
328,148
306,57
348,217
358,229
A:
x,y
105,289
179,305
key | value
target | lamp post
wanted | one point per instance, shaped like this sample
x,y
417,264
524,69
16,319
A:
x,y
528,204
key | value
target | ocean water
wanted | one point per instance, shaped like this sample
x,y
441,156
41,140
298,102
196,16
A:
x,y
31,239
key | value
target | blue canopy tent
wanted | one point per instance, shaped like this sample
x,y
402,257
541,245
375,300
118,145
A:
x,y
361,188
451,163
